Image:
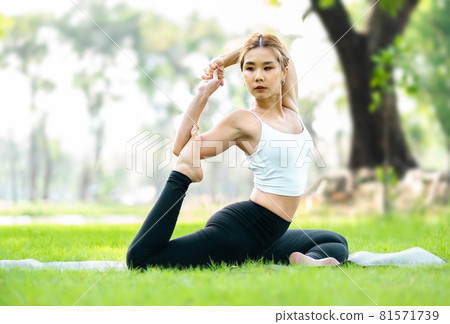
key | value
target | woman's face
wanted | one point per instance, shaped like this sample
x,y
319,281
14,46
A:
x,y
262,73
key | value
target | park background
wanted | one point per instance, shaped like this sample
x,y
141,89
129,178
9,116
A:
x,y
85,86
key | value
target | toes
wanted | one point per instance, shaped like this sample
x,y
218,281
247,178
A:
x,y
329,262
334,262
194,131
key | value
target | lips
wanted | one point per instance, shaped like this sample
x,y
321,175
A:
x,y
260,88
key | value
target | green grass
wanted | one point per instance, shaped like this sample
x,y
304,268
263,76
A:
x,y
249,284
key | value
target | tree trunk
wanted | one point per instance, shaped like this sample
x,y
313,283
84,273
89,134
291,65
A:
x,y
33,164
355,51
85,182
95,175
47,176
13,169
48,169
33,152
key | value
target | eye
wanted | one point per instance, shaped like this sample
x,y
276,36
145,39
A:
x,y
267,68
249,68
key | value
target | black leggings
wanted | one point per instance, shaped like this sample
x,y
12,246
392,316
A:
x,y
238,232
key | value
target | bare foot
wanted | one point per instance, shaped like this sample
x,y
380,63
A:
x,y
301,259
188,161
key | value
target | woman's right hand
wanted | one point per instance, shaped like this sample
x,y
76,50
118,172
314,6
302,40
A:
x,y
210,85
216,63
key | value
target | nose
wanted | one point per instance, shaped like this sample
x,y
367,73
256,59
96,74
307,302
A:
x,y
259,75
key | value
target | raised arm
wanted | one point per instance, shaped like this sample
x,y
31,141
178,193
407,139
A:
x,y
289,89
191,117
228,132
194,110
222,61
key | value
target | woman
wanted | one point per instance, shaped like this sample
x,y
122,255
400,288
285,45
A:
x,y
273,137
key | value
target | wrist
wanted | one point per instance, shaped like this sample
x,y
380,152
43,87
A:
x,y
231,58
202,95
225,60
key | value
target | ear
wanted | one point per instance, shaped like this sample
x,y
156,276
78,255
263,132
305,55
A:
x,y
283,75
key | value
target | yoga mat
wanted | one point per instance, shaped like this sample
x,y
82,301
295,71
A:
x,y
412,257
64,265
415,256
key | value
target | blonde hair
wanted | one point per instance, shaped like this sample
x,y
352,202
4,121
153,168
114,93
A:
x,y
269,41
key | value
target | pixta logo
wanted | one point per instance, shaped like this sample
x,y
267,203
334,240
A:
x,y
148,153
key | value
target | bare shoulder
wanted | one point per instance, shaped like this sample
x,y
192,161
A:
x,y
242,119
240,114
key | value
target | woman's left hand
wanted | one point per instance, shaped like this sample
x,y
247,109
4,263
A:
x,y
209,86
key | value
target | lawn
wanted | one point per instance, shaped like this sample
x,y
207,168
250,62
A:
x,y
249,284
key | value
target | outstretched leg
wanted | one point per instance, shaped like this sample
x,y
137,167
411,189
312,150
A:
x,y
309,247
158,227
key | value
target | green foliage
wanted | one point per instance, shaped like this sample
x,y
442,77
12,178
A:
x,y
5,24
157,34
119,23
274,3
21,41
381,75
161,48
325,4
342,103
429,39
392,6
393,56
391,175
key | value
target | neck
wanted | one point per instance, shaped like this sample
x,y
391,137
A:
x,y
273,104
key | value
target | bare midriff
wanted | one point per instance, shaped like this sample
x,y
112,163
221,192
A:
x,y
283,206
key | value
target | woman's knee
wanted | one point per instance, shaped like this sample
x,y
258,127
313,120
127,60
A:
x,y
342,254
335,250
335,237
342,239
338,238
338,245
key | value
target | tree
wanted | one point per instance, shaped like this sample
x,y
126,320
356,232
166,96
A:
x,y
21,41
429,57
91,43
377,135
159,48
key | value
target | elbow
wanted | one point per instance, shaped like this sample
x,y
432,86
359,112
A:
x,y
176,151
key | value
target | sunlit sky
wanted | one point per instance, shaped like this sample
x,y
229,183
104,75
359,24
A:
x,y
316,67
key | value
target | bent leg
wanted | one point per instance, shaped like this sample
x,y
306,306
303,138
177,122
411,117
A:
x,y
234,234
317,244
158,227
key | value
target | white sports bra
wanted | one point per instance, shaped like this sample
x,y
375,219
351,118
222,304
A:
x,y
281,161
